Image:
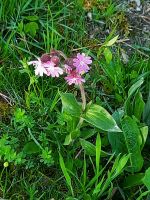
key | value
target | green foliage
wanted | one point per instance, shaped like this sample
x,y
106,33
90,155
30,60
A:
x,y
21,120
133,180
128,104
108,55
146,179
70,105
131,134
99,117
46,157
100,182
146,113
88,147
31,148
49,154
66,175
8,153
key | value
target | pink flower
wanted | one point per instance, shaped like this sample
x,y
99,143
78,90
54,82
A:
x,y
68,69
52,70
39,68
81,63
47,67
74,78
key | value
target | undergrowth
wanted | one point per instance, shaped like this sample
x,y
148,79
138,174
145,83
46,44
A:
x,y
50,147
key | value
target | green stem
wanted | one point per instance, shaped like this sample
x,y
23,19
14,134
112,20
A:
x,y
83,97
83,104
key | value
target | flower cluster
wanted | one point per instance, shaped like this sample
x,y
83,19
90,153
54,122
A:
x,y
76,67
49,64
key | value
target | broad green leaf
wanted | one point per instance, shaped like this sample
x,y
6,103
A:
x,y
117,139
100,118
31,148
112,41
131,134
70,104
87,133
138,106
133,180
88,147
108,55
146,179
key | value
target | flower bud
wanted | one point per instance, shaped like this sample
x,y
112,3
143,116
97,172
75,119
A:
x,y
53,52
45,58
69,61
55,60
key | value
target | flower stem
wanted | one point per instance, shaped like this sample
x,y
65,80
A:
x,y
62,54
83,97
83,104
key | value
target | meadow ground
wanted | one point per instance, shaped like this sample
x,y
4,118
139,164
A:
x,y
50,147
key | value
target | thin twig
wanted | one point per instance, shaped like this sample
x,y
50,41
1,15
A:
x,y
6,98
78,154
62,54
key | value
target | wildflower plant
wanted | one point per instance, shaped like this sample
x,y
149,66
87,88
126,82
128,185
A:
x,y
56,64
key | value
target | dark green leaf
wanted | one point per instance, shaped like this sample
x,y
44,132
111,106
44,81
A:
x,y
31,148
89,148
117,139
87,133
131,134
133,180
